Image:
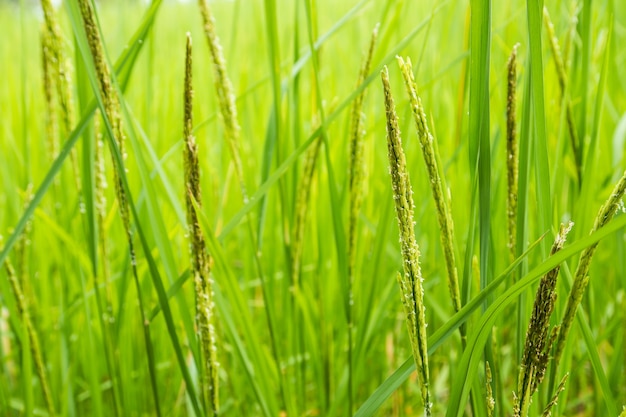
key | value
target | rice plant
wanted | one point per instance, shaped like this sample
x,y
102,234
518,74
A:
x,y
218,234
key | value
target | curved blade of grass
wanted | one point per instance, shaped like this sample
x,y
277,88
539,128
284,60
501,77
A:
x,y
274,124
589,180
479,131
544,202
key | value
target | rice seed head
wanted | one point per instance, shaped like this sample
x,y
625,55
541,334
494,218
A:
x,y
581,279
225,95
357,163
431,157
512,162
491,402
49,93
100,168
62,70
547,411
411,283
555,48
31,332
538,338
200,261
302,207
192,172
101,186
562,77
111,108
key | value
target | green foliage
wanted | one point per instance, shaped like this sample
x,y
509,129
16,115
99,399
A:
x,y
277,101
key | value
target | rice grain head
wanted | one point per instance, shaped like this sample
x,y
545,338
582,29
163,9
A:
x,y
512,161
581,277
491,402
33,337
411,282
444,212
562,77
547,411
62,70
111,108
225,95
357,164
200,261
538,339
302,207
52,138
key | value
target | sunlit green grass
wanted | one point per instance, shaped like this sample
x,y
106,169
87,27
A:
x,y
282,86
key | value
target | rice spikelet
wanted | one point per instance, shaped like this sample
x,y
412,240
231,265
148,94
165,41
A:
x,y
357,164
491,403
538,340
547,411
225,95
411,282
444,213
200,261
562,77
35,346
357,178
61,69
581,279
101,205
52,127
302,208
111,107
111,104
512,162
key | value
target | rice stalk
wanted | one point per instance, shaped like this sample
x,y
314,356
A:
x,y
562,77
411,282
112,110
581,279
444,212
512,159
357,178
62,69
200,260
538,338
35,346
225,95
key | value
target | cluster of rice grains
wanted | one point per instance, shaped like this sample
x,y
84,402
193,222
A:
x,y
411,288
200,260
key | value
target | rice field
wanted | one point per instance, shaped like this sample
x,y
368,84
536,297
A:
x,y
312,208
